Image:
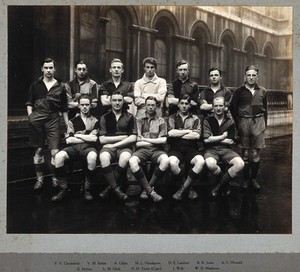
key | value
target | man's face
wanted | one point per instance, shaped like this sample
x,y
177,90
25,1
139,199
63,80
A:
x,y
48,69
150,107
84,105
149,69
183,71
214,77
184,105
116,69
251,77
219,106
81,71
117,102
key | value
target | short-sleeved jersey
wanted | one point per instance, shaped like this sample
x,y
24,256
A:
x,y
211,127
76,88
208,94
110,126
191,122
151,127
42,100
108,88
244,104
179,88
77,126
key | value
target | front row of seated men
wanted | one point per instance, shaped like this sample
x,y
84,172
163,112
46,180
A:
x,y
126,140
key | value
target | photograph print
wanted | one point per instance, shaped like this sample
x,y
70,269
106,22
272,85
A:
x,y
149,119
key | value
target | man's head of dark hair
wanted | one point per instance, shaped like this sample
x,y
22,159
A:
x,y
215,69
47,60
185,97
181,62
150,60
117,93
151,98
80,62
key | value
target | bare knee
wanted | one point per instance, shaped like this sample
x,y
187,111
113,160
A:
x,y
163,161
174,164
105,159
60,158
124,159
134,163
91,160
211,164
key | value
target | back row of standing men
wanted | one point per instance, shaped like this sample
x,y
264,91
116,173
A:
x,y
179,115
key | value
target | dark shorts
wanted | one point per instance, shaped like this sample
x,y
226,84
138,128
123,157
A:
x,y
116,152
221,153
79,150
185,155
151,153
252,132
44,126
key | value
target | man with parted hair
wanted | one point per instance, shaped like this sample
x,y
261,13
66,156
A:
x,y
214,89
184,130
80,84
219,136
47,98
249,110
151,138
149,85
117,136
81,138
180,86
115,83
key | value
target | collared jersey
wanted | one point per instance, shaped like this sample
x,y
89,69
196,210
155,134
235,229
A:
x,y
88,86
209,95
108,88
46,101
110,126
191,122
144,87
211,127
77,126
151,127
76,88
179,88
244,104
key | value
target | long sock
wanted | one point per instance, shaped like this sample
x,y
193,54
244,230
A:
x,y
225,179
109,176
180,177
140,176
254,169
39,171
157,174
119,172
90,175
192,176
246,170
52,170
60,174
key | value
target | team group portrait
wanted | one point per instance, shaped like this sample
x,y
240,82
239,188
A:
x,y
149,119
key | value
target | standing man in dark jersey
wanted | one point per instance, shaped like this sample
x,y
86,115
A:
x,y
116,83
80,84
214,89
180,86
47,99
249,110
